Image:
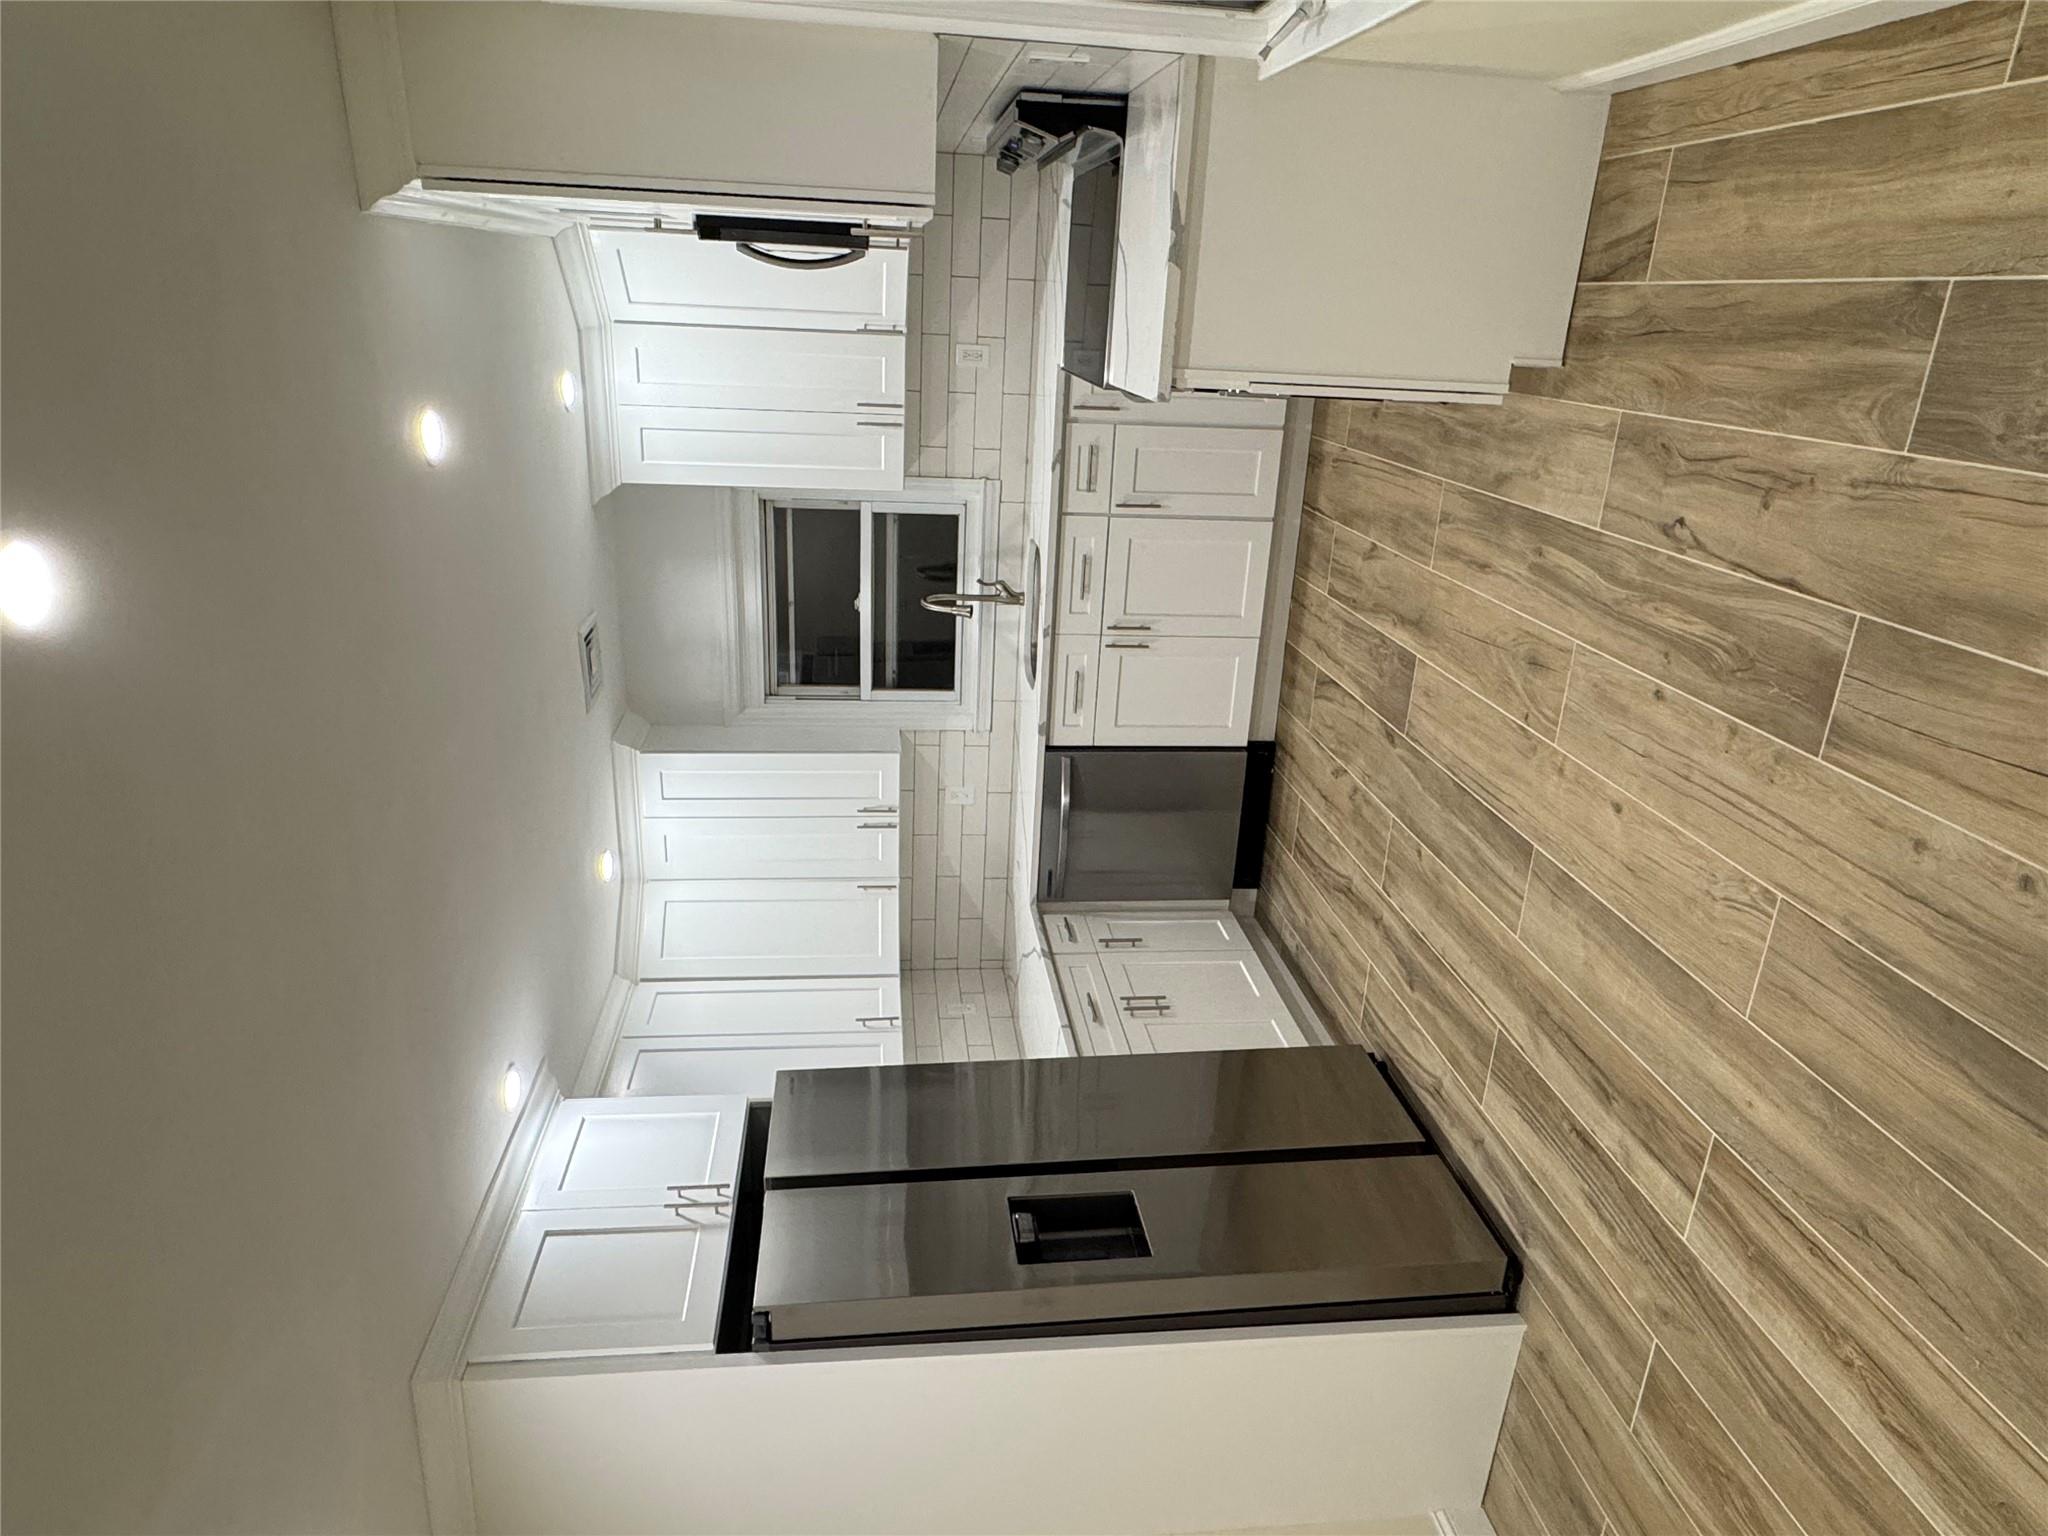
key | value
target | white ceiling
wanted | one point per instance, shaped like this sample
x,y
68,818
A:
x,y
1542,39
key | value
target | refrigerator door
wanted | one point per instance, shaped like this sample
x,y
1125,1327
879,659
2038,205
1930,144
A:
x,y
1140,824
1137,1248
1056,1114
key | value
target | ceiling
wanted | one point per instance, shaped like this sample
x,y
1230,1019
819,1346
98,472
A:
x,y
1542,39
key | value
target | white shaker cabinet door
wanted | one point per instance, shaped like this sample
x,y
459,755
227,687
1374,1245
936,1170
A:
x,y
1074,665
1090,1013
1214,1002
740,1064
715,784
1186,576
768,928
769,847
801,1005
1181,933
793,450
1174,691
1083,571
604,1281
1196,471
849,372
611,1152
675,279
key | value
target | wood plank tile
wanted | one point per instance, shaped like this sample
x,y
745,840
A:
x,y
1480,847
1382,501
1966,1284
1962,1462
1335,953
1952,549
1967,920
1948,729
1966,1103
1641,1123
1331,419
1340,802
1949,188
1563,1502
1312,553
1595,1438
1507,1505
1698,1461
1952,50
1609,1341
1825,1477
1548,454
1693,902
2030,57
1765,655
1517,664
1297,683
1841,361
1425,986
1622,227
1987,392
1345,647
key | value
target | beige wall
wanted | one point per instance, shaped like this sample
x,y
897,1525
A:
x,y
1665,766
301,799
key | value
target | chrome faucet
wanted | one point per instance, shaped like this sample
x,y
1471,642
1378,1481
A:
x,y
960,605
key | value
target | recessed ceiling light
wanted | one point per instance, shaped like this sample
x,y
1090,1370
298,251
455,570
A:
x,y
511,1089
565,389
28,585
607,866
430,435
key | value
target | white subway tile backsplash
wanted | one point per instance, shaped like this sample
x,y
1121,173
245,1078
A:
x,y
1024,223
960,435
1016,432
1018,301
970,954
924,877
994,273
966,215
974,818
988,399
988,463
932,391
942,186
921,950
931,462
924,791
936,239
995,192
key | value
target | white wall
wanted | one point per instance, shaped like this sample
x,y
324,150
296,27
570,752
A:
x,y
676,596
301,804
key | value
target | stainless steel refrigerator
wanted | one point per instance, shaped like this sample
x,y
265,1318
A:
x,y
1140,823
1107,1194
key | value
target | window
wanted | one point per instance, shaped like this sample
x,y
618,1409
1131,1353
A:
x,y
844,582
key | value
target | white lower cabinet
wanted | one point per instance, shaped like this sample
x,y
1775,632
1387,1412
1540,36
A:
x,y
1164,932
622,1245
1196,471
741,1064
1083,571
1213,1002
768,928
1090,1013
769,847
1073,678
1185,576
1174,691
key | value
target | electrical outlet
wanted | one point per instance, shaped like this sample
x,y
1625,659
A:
x,y
970,354
960,794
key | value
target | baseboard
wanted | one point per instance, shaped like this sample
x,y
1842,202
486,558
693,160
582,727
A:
x,y
611,1015
437,1376
1793,26
1461,1522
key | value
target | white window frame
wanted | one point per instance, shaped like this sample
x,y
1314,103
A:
x,y
750,696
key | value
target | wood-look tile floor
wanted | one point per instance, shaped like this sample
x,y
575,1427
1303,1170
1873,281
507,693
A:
x,y
964,1015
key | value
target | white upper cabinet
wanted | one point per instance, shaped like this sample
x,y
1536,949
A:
x,y
740,1064
677,279
777,1005
793,450
463,112
1173,691
769,783
1377,231
1195,471
768,928
768,848
1185,576
806,371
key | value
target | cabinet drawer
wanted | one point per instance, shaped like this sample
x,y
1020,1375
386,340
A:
x,y
1090,1013
768,928
1089,455
1185,576
714,784
1174,692
769,847
843,372
1184,933
676,280
606,1152
1196,471
1074,664
740,1064
1067,933
1083,574
792,450
771,1006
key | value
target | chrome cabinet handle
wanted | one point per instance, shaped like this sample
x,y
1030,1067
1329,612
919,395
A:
x,y
881,1021
1133,942
874,887
1094,1015
1059,868
878,405
1141,506
799,263
881,330
723,1187
1127,645
1094,461
875,826
686,1204
1145,997
1087,559
876,810
1147,628
1079,407
1148,1010
868,421
1068,924
1080,678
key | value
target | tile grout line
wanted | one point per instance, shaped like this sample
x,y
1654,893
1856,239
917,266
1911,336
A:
x,y
1825,117
1835,704
1699,1185
1643,1386
2012,59
1650,263
1933,350
1764,955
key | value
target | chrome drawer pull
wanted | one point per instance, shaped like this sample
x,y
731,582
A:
x,y
875,826
1127,645
876,810
1107,942
1141,506
881,1021
874,887
1094,1015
